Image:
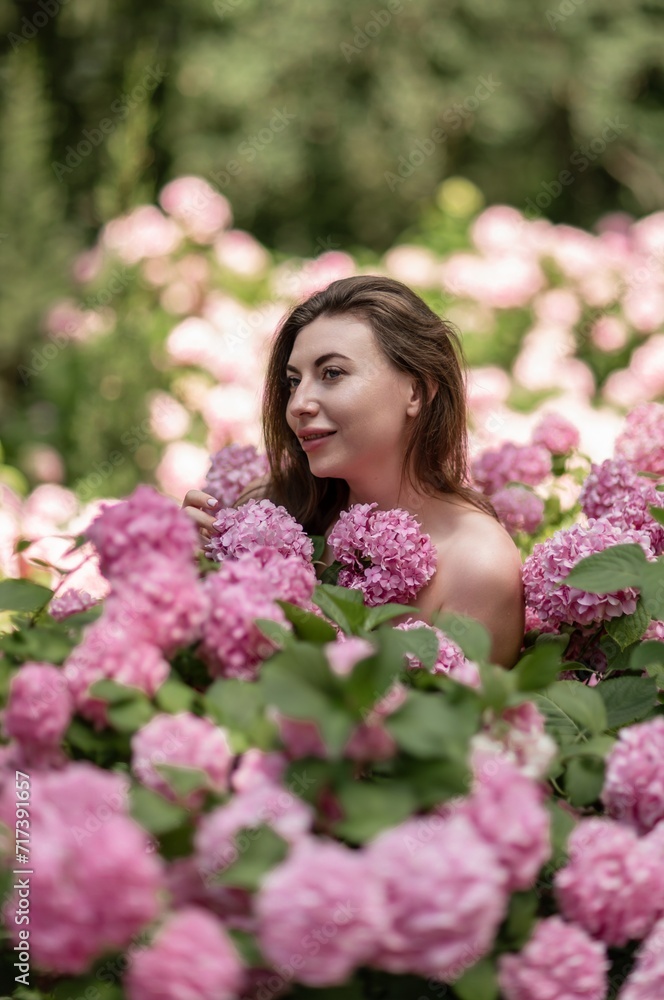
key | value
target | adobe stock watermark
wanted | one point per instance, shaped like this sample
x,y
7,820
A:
x,y
224,7
564,10
364,35
120,108
580,159
30,26
252,146
454,117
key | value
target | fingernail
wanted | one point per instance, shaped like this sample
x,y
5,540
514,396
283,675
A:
x,y
212,502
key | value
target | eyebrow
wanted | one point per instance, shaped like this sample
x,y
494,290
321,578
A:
x,y
319,361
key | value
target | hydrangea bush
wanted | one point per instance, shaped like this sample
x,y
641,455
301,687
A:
x,y
244,779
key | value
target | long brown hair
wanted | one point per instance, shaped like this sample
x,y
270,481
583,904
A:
x,y
418,343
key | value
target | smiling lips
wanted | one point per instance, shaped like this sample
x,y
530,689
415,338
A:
x,y
312,438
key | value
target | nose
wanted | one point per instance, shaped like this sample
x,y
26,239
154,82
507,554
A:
x,y
303,400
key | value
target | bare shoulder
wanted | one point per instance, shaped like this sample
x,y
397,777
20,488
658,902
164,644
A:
x,y
255,490
480,575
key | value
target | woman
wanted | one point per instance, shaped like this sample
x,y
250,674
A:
x,y
365,401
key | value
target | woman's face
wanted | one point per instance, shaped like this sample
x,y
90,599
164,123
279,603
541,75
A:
x,y
353,391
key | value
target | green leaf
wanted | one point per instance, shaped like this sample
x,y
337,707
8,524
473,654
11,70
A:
x,y
480,982
44,644
331,573
300,683
597,746
434,781
385,612
82,986
628,629
572,711
520,918
427,726
498,685
174,696
627,699
258,850
419,642
307,625
183,780
343,606
652,588
562,824
239,706
275,631
538,668
584,778
129,716
647,654
471,636
113,693
606,572
370,808
657,512
153,811
319,544
23,595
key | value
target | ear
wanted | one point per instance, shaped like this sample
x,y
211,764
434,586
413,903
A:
x,y
415,401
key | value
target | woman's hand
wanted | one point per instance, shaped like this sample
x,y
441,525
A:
x,y
201,507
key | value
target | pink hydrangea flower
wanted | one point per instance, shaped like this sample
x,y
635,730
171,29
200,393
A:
x,y
519,509
552,560
655,630
109,651
522,463
232,644
85,852
201,210
614,490
191,958
505,807
265,804
385,553
559,961
320,895
634,784
446,896
164,602
450,661
71,603
145,522
258,768
517,734
181,740
232,469
283,578
613,884
186,887
641,442
556,433
255,524
346,652
646,980
39,707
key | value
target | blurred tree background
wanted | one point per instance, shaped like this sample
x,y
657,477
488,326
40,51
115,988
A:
x,y
309,118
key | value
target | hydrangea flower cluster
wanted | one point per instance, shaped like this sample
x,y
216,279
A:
x,y
231,470
614,490
232,645
181,740
556,433
552,560
145,522
560,961
519,509
71,603
256,524
641,441
634,785
518,735
85,852
613,885
165,970
385,554
321,885
521,463
451,659
284,578
646,980
39,708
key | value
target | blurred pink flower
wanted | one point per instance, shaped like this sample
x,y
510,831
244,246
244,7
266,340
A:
x,y
497,229
241,253
613,884
609,333
164,970
181,740
558,961
413,265
451,660
556,433
496,467
641,441
232,469
71,602
39,706
643,307
519,509
634,786
558,307
201,210
646,980
182,468
143,232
